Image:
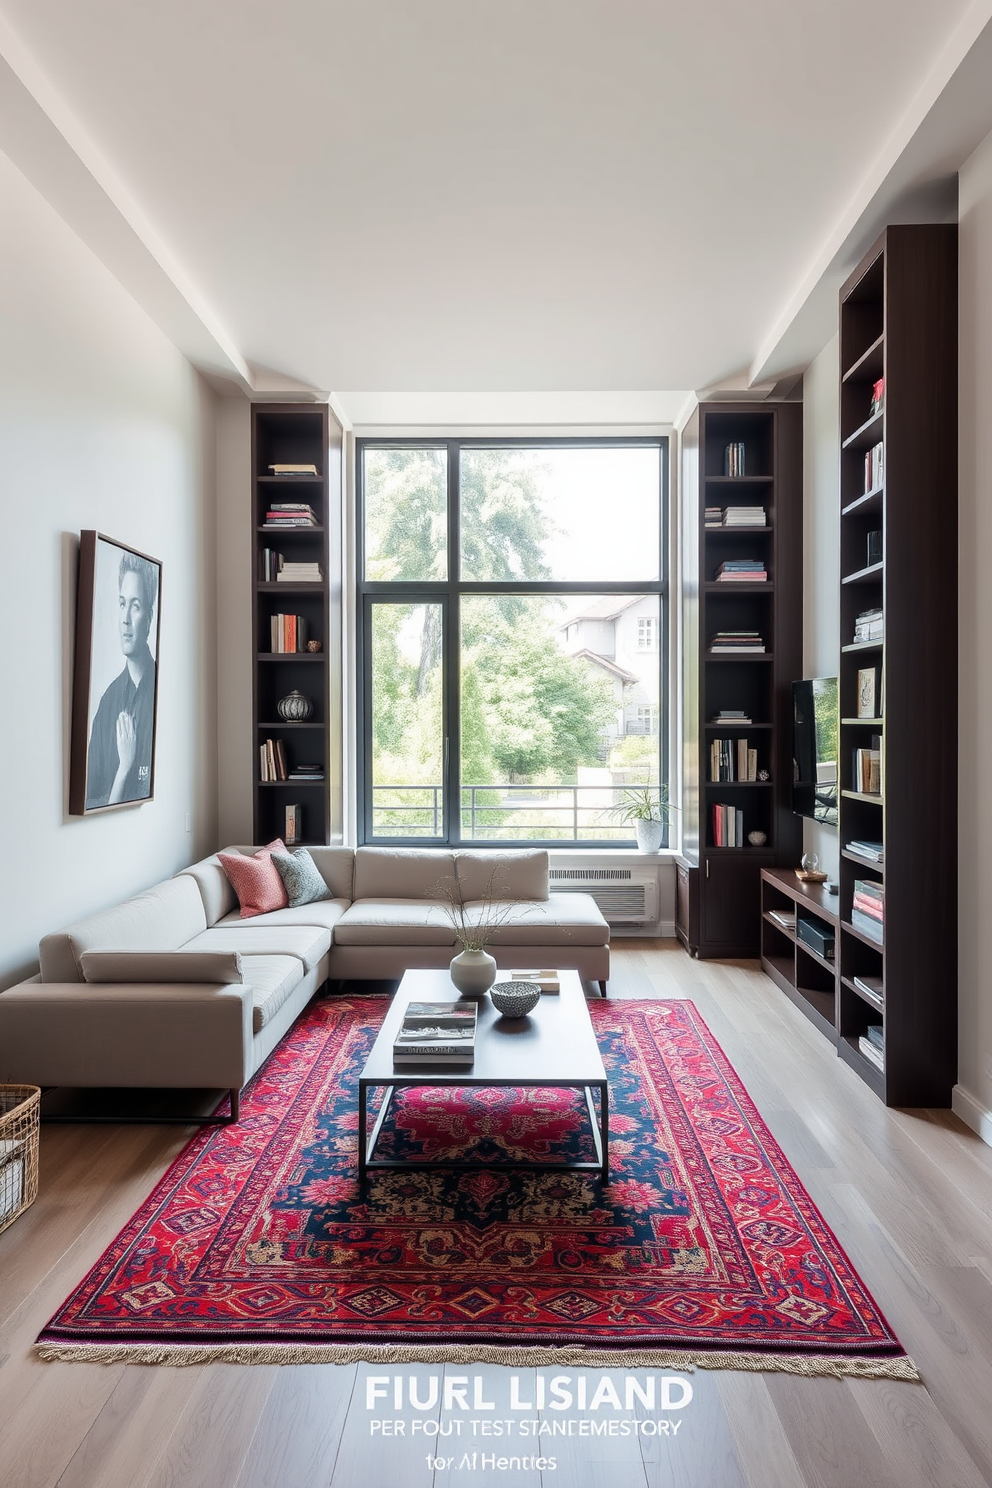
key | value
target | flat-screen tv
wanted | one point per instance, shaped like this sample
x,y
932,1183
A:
x,y
815,734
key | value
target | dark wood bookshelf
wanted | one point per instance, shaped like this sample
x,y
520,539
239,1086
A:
x,y
718,902
898,320
298,433
807,978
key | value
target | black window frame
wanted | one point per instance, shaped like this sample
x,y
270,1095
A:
x,y
449,593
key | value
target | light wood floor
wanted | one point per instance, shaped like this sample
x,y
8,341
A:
x,y
908,1193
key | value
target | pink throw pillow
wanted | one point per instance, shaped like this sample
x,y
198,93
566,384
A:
x,y
256,879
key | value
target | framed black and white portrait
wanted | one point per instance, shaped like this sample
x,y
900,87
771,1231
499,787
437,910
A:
x,y
115,677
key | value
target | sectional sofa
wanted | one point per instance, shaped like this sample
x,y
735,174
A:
x,y
173,988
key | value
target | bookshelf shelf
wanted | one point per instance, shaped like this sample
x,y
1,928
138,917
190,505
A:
x,y
869,575
866,504
898,322
296,433
719,887
870,363
805,976
870,432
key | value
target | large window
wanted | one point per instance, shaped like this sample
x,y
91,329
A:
x,y
512,638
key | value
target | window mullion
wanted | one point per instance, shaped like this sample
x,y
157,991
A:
x,y
452,652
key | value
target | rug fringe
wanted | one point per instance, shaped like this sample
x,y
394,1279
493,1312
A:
x,y
901,1368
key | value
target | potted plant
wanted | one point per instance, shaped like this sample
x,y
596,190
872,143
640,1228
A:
x,y
649,808
473,970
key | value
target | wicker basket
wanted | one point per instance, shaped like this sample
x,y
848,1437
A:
x,y
19,1124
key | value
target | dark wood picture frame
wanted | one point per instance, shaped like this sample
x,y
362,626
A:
x,y
114,712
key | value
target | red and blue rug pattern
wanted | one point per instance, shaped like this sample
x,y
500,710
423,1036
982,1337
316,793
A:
x,y
704,1245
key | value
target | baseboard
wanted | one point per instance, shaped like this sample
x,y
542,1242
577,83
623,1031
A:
x,y
972,1113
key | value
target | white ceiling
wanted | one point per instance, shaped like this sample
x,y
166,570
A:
x,y
546,196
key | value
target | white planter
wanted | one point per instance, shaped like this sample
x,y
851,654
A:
x,y
649,834
473,973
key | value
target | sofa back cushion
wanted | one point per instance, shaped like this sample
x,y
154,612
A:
x,y
161,919
215,888
337,868
503,875
403,873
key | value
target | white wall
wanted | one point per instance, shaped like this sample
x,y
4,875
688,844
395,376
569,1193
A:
x,y
821,550
973,1096
102,424
235,576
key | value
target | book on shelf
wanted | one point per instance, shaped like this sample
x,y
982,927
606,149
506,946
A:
x,y
867,924
877,396
868,768
269,564
783,917
294,824
874,467
871,987
744,516
872,1052
873,850
869,627
736,641
874,546
713,516
728,826
547,977
731,716
732,759
436,1033
301,774
742,570
292,467
288,633
272,757
299,573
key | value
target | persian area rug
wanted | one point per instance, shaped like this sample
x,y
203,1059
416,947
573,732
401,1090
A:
x,y
259,1246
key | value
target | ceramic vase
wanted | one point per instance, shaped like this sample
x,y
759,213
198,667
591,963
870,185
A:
x,y
649,834
473,973
294,707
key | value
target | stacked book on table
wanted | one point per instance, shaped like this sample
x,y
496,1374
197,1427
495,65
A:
x,y
736,643
436,1033
870,1045
868,908
742,571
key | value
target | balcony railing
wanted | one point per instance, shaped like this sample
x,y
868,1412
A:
x,y
504,813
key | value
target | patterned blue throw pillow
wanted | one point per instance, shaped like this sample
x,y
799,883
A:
x,y
302,879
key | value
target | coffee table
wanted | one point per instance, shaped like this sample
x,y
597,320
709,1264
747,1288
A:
x,y
554,1045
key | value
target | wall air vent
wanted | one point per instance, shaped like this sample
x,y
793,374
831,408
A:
x,y
624,897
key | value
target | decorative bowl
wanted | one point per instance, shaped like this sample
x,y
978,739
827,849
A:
x,y
515,999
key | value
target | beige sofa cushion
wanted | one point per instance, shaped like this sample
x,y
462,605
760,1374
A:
x,y
402,872
512,875
402,922
564,919
161,919
308,943
223,967
323,913
272,980
337,868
